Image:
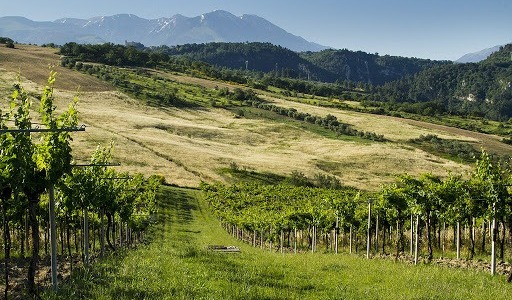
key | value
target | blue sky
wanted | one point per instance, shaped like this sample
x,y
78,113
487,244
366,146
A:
x,y
436,29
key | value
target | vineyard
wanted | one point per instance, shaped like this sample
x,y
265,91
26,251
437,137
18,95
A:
x,y
443,217
69,215
45,193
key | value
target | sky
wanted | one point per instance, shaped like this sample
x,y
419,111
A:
x,y
434,29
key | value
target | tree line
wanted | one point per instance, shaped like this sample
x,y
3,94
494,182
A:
x,y
329,122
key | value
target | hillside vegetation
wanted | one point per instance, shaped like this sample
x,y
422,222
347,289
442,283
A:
x,y
481,89
327,65
168,140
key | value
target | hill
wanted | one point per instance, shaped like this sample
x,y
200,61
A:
x,y
327,65
202,142
216,26
481,89
368,68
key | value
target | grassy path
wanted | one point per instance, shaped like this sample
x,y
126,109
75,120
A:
x,y
175,265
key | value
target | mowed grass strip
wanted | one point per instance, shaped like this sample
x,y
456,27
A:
x,y
176,265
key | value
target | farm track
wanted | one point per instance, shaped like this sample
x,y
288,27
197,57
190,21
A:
x,y
178,265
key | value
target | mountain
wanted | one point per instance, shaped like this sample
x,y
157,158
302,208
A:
x,y
216,26
478,56
23,30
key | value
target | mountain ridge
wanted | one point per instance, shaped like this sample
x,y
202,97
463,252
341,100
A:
x,y
215,26
478,56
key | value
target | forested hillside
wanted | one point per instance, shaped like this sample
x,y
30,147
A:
x,y
327,66
468,90
359,66
483,89
260,57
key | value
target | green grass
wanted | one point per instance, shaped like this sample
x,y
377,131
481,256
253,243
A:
x,y
237,174
257,113
176,265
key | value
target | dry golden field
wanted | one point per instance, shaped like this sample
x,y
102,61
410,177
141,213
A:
x,y
190,145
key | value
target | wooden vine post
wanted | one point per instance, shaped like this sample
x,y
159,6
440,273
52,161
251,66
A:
x,y
369,227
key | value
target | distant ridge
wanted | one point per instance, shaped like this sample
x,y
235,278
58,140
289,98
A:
x,y
216,26
478,56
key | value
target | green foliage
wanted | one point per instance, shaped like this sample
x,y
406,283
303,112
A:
x,y
9,43
138,82
5,40
326,66
453,149
358,66
55,153
482,89
257,207
433,199
29,166
329,122
33,166
177,265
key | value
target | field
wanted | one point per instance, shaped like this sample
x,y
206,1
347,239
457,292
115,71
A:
x,y
169,141
177,265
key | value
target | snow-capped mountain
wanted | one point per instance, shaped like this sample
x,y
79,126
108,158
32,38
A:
x,y
216,26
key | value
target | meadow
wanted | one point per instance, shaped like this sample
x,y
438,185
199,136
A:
x,y
168,140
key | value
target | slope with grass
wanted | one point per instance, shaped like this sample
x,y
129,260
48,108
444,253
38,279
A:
x,y
177,265
190,145
34,63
